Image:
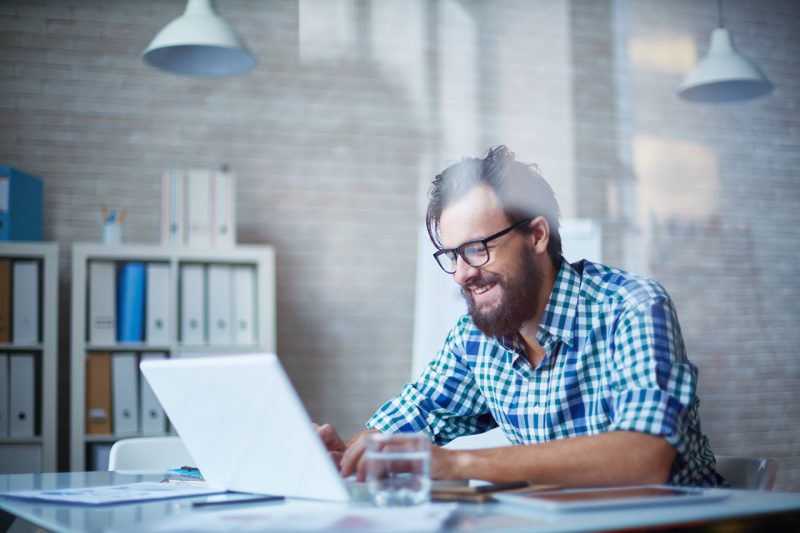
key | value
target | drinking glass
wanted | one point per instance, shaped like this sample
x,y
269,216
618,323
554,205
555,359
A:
x,y
398,468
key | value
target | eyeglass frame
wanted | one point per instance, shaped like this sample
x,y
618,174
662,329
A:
x,y
459,250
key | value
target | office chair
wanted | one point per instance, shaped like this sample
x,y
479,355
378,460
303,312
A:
x,y
752,473
148,454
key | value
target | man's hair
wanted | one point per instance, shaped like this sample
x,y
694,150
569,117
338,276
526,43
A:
x,y
522,191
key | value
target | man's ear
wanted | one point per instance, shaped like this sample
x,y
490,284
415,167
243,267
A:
x,y
540,236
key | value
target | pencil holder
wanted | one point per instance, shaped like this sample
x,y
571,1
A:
x,y
112,233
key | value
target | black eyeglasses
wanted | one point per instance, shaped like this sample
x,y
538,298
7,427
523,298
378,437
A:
x,y
474,253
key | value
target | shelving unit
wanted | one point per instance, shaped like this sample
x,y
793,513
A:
x,y
36,453
260,258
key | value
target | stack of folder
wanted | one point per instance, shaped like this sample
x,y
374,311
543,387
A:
x,y
198,208
20,301
129,302
19,385
119,400
20,308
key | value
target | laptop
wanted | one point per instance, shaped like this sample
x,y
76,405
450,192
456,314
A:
x,y
245,426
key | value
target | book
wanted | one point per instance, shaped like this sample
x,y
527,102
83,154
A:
x,y
484,493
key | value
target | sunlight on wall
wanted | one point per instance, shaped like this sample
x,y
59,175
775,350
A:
x,y
666,53
676,178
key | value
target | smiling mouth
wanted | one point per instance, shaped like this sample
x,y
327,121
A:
x,y
482,289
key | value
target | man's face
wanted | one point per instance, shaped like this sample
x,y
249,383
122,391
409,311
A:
x,y
501,295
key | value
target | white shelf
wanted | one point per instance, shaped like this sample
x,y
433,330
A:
x,y
262,258
47,350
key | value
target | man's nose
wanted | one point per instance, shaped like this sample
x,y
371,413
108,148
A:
x,y
465,272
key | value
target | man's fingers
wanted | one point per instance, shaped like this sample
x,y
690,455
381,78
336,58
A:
x,y
337,458
351,458
329,437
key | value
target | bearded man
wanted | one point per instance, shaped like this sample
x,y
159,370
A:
x,y
581,365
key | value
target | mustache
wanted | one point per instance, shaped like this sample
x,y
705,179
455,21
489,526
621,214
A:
x,y
484,279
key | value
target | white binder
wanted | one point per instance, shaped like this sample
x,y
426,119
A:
x,y
4,383
157,330
25,303
198,207
152,418
102,302
224,231
124,393
22,401
244,319
172,200
219,305
193,305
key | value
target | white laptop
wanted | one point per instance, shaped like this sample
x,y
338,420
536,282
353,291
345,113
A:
x,y
245,426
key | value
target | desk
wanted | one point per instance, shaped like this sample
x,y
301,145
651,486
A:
x,y
757,510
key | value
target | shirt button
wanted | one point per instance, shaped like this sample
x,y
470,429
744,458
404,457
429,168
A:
x,y
538,409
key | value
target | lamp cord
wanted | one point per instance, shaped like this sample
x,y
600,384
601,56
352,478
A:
x,y
719,5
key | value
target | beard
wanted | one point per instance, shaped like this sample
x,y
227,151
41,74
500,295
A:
x,y
517,302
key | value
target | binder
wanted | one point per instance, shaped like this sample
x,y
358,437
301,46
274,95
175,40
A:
x,y
124,393
5,300
244,318
98,393
20,459
224,219
193,304
20,205
130,302
25,302
219,305
98,456
157,312
198,208
172,208
4,394
102,302
152,418
22,390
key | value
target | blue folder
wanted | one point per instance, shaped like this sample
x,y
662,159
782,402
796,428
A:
x,y
20,206
130,302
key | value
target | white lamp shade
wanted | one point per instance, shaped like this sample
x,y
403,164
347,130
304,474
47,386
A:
x,y
723,75
199,43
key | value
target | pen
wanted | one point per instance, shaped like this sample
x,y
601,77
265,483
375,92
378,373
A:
x,y
255,499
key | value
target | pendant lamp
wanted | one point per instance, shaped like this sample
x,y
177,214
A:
x,y
199,43
723,75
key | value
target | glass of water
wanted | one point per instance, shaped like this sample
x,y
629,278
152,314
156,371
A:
x,y
398,468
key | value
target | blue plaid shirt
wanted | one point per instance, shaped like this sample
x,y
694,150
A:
x,y
615,360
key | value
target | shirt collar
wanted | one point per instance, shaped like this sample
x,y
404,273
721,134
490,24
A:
x,y
558,317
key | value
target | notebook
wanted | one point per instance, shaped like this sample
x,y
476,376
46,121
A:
x,y
245,426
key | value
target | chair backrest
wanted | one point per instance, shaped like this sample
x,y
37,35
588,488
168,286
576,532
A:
x,y
148,454
753,473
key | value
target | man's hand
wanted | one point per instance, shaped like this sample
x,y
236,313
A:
x,y
353,461
332,441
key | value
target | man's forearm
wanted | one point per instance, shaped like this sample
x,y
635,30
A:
x,y
614,458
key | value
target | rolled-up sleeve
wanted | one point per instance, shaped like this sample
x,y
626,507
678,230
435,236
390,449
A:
x,y
653,383
444,402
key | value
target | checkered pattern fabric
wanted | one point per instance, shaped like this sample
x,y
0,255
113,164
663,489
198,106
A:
x,y
615,360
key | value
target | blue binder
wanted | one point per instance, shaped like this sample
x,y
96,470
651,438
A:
x,y
130,302
20,206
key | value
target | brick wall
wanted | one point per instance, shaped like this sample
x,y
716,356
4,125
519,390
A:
x,y
335,134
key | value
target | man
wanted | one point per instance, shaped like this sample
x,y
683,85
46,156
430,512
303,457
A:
x,y
583,366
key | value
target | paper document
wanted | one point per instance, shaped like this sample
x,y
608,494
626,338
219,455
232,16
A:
x,y
304,515
112,494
